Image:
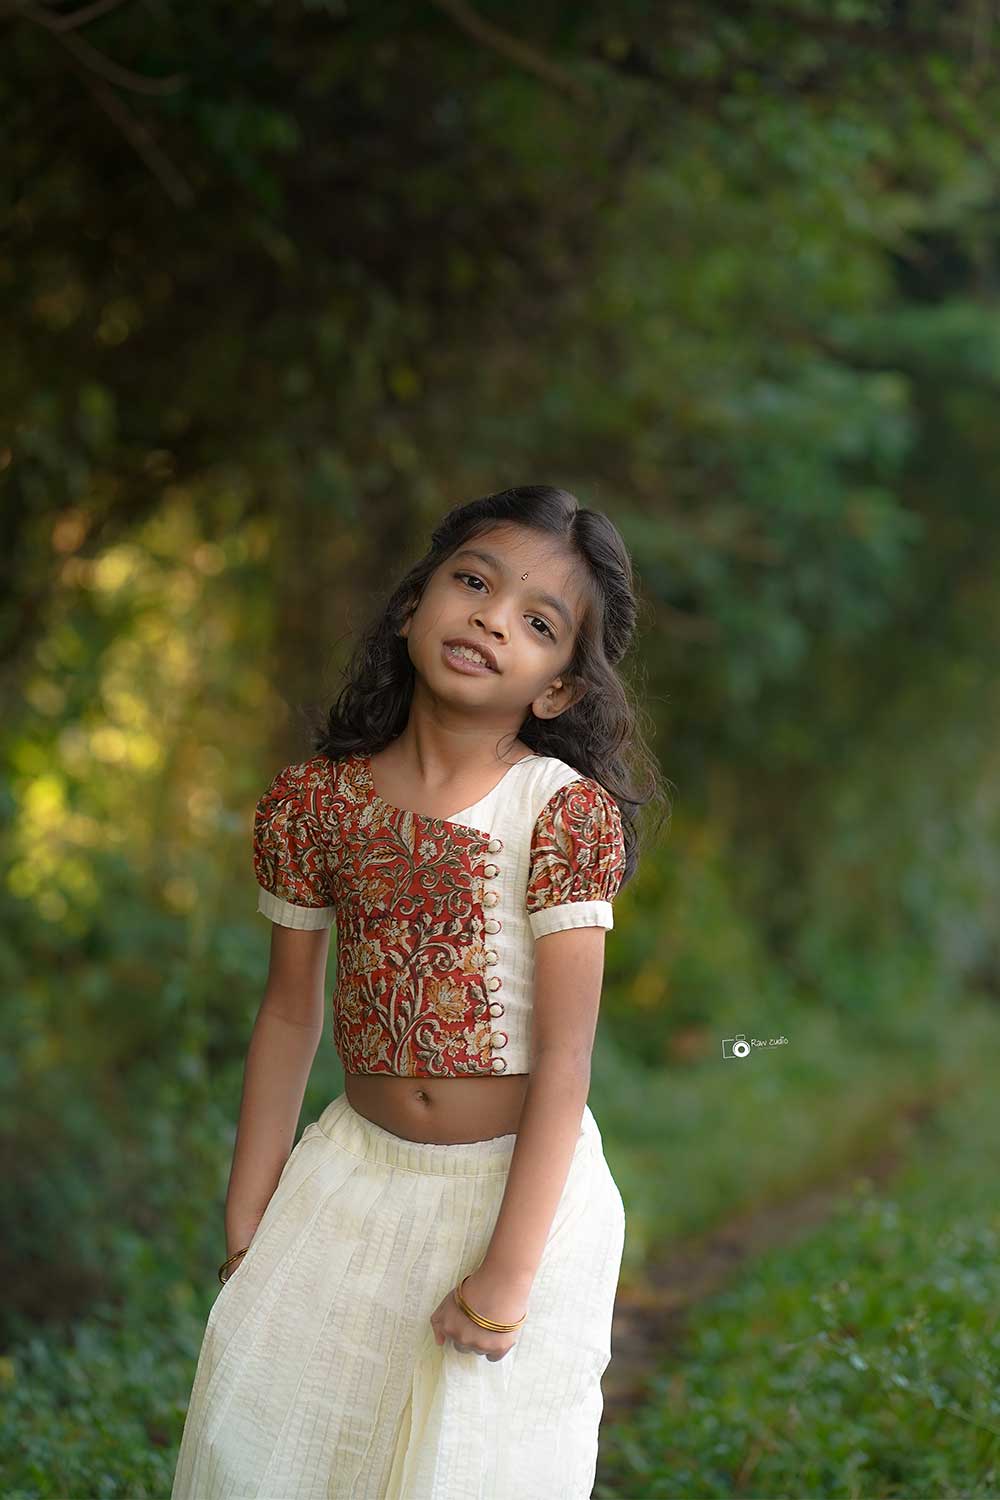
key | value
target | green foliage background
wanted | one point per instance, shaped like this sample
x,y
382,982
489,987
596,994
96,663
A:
x,y
282,282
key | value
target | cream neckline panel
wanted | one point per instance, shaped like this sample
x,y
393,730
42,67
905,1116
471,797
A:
x,y
455,817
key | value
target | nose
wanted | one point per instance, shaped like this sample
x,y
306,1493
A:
x,y
479,616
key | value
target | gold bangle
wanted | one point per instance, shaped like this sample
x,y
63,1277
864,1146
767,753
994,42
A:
x,y
235,1256
487,1323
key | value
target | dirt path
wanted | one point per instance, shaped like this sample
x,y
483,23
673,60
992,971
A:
x,y
649,1317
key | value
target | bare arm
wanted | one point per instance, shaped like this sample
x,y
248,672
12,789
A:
x,y
569,967
280,1056
546,1138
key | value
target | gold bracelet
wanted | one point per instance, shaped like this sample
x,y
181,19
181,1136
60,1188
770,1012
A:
x,y
229,1262
487,1323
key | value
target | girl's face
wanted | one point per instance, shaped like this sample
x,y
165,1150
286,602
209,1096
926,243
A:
x,y
527,625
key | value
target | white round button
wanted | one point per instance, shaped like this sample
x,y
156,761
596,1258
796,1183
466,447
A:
x,y
493,983
498,1038
492,957
490,870
491,898
496,1009
499,1065
492,925
495,845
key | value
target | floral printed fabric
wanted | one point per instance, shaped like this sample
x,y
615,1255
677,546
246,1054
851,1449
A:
x,y
577,859
412,957
406,893
293,842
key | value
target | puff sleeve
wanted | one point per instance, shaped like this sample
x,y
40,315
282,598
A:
x,y
292,847
577,859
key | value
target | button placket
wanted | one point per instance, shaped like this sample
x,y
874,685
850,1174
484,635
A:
x,y
493,982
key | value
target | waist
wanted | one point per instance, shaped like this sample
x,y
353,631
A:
x,y
443,1111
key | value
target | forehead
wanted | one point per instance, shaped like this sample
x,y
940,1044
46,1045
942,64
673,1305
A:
x,y
517,549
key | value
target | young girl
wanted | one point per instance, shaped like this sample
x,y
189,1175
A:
x,y
416,1300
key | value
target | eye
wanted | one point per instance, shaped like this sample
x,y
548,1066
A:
x,y
530,617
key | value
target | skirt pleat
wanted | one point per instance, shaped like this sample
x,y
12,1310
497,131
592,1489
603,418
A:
x,y
319,1377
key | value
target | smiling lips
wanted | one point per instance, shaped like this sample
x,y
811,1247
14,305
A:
x,y
480,654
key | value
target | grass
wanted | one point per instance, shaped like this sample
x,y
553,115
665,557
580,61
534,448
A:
x,y
862,1362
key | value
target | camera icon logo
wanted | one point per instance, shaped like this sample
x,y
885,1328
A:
x,y
735,1046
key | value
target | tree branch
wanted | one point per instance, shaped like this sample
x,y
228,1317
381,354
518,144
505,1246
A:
x,y
96,61
82,16
514,50
174,184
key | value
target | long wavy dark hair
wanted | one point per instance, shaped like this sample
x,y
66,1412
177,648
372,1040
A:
x,y
598,735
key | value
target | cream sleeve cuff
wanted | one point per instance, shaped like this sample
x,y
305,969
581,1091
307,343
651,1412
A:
x,y
571,914
288,915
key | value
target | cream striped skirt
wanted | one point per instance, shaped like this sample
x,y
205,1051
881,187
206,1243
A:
x,y
319,1376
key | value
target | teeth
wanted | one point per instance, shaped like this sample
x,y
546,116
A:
x,y
468,654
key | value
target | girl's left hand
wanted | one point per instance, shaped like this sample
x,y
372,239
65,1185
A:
x,y
492,1296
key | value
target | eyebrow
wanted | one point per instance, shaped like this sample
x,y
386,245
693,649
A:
x,y
550,599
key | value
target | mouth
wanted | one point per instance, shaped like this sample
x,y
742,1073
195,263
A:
x,y
466,657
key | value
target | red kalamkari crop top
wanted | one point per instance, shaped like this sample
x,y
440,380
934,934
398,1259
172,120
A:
x,y
436,918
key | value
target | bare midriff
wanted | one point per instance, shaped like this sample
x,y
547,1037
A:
x,y
442,1111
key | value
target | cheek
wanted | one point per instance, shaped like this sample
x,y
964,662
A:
x,y
429,614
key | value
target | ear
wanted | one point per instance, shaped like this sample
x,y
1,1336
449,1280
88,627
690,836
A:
x,y
558,697
409,609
